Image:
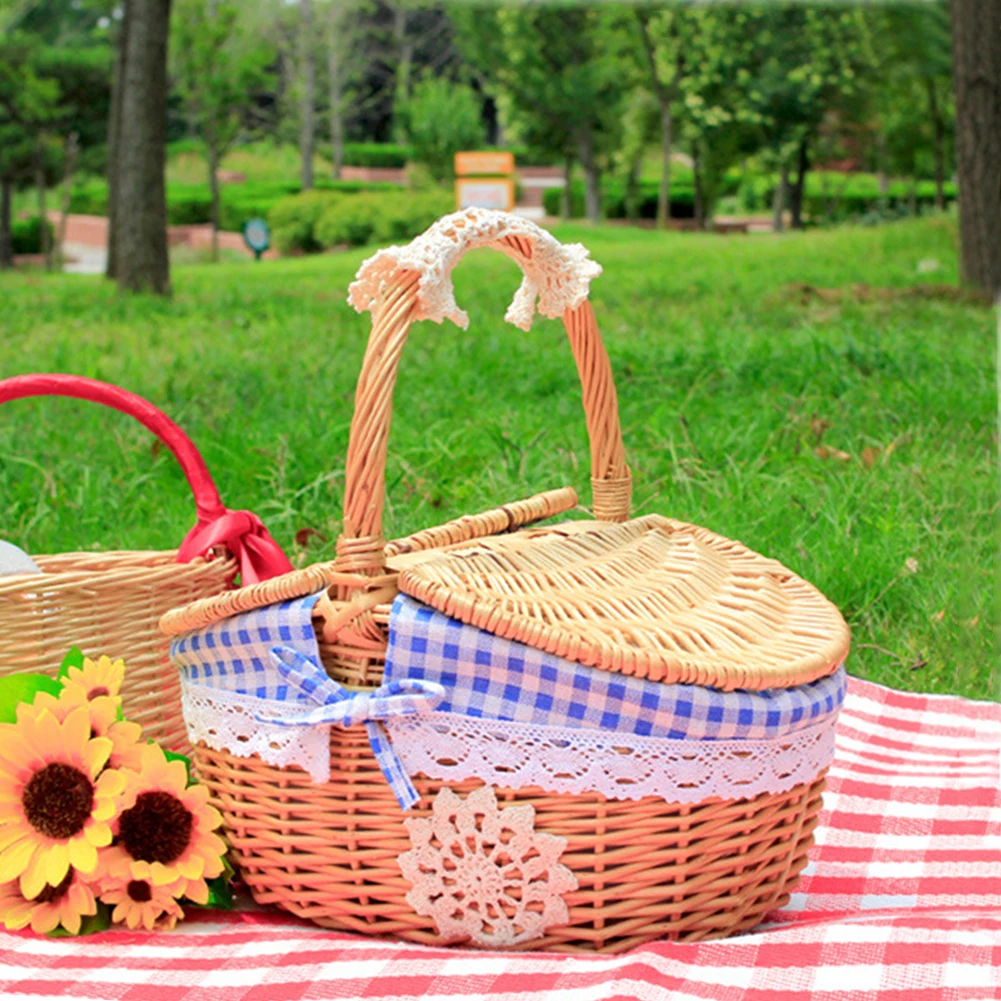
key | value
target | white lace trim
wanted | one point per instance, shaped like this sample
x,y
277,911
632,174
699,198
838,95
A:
x,y
558,275
225,721
620,766
451,747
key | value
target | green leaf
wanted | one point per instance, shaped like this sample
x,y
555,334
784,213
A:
x,y
74,658
101,921
220,894
174,756
17,688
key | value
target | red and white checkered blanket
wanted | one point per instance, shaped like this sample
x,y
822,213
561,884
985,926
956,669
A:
x,y
901,901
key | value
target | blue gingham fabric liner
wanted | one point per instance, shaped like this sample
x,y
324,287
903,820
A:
x,y
271,653
486,676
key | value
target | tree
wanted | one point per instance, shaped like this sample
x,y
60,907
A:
x,y
307,101
219,65
441,118
976,62
139,189
28,104
342,37
562,84
664,46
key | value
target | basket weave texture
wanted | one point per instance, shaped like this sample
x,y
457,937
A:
x,y
645,868
109,603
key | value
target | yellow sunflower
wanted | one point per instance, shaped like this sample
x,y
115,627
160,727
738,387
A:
x,y
64,905
165,828
55,800
94,680
140,902
104,722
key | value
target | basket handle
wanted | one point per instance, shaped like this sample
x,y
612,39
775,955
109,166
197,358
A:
x,y
402,285
241,532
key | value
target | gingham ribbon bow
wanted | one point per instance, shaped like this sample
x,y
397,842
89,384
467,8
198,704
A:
x,y
339,706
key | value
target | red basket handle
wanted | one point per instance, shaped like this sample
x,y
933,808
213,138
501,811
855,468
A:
x,y
241,532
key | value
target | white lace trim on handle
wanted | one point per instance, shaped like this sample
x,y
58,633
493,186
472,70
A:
x,y
557,275
225,721
620,766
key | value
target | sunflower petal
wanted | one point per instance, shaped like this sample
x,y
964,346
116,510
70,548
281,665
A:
x,y
97,750
83,855
98,834
33,877
57,864
15,858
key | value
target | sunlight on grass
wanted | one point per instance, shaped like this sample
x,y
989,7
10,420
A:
x,y
854,441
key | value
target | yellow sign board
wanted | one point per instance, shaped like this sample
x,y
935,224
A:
x,y
484,164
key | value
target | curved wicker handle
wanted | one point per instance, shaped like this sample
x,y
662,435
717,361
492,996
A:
x,y
401,285
260,557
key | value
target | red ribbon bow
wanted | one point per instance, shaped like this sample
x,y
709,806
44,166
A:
x,y
244,535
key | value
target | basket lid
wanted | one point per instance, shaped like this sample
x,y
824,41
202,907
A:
x,y
652,597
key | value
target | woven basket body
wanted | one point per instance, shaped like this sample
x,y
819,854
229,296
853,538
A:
x,y
108,603
328,851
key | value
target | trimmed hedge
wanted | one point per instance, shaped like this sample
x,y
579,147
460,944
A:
x,y
613,200
376,155
26,235
318,220
191,204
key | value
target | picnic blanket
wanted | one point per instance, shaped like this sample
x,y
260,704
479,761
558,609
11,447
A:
x,y
901,901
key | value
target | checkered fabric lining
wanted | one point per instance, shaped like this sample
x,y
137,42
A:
x,y
235,654
486,676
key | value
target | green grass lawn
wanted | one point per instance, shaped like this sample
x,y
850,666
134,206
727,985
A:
x,y
728,382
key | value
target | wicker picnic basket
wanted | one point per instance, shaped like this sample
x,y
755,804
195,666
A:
x,y
110,602
650,599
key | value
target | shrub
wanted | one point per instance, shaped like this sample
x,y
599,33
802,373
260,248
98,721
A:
x,y
441,118
381,217
614,197
26,235
293,221
376,155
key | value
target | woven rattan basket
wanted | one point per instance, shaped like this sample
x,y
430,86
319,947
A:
x,y
645,868
110,602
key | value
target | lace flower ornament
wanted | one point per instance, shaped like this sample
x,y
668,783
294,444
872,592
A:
x,y
484,874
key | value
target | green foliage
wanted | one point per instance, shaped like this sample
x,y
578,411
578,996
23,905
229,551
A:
x,y
89,923
26,235
175,756
17,688
697,326
441,118
380,218
614,200
73,658
360,154
293,221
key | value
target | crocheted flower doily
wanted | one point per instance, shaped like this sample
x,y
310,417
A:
x,y
557,275
484,874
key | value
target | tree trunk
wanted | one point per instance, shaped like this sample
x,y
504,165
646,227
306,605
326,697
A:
x,y
114,128
213,158
405,48
799,186
664,188
142,261
45,244
6,235
308,70
335,70
939,126
592,176
976,74
700,206
566,200
779,200
71,151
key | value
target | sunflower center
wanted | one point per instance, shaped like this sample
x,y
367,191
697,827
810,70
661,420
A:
x,y
157,828
96,693
57,800
139,891
50,894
